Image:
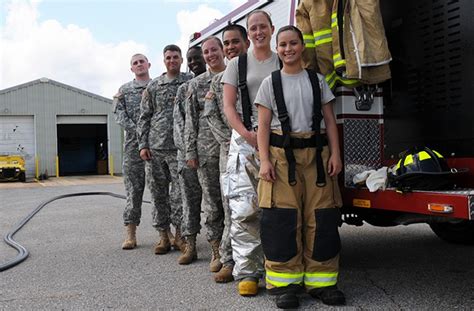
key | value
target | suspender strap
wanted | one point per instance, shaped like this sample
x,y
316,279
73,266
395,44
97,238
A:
x,y
244,92
340,24
285,126
295,142
317,117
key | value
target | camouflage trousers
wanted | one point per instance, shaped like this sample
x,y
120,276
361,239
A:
x,y
192,195
225,248
208,174
162,173
134,181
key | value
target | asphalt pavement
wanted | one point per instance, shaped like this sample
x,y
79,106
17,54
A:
x,y
76,262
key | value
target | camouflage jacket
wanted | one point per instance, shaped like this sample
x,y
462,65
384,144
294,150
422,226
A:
x,y
155,127
126,104
179,115
214,111
199,141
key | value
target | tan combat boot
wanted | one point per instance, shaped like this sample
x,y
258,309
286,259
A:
x,y
178,242
215,265
190,251
164,246
225,274
131,240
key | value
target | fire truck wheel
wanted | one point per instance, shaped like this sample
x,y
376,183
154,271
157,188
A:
x,y
458,233
22,177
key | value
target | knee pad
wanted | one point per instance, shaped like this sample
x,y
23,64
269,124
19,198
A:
x,y
278,233
327,242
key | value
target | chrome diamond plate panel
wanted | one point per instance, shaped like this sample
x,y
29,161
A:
x,y
362,147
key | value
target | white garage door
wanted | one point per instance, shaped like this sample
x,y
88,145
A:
x,y
17,136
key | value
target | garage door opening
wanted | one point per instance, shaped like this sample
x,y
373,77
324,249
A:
x,y
82,149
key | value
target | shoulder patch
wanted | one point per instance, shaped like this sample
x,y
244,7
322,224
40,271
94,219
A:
x,y
210,95
145,94
189,93
118,95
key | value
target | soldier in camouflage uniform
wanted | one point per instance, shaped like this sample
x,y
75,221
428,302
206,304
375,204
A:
x,y
202,150
235,42
155,130
126,106
188,178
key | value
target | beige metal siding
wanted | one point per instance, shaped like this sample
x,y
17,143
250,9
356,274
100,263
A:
x,y
45,100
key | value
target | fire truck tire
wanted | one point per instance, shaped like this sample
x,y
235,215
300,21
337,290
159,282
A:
x,y
457,233
22,177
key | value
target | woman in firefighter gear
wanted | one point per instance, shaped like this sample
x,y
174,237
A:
x,y
242,117
298,191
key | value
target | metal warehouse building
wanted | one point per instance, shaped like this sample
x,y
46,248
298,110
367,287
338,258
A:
x,y
59,129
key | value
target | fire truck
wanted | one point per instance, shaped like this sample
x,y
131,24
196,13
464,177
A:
x,y
427,102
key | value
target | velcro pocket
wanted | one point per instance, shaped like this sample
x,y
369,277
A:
x,y
327,242
278,233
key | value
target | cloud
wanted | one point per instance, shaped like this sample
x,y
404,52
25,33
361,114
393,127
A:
x,y
66,53
190,22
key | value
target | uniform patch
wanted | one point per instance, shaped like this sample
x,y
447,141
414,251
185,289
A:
x,y
145,94
210,95
189,93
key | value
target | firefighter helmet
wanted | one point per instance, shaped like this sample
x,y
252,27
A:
x,y
423,169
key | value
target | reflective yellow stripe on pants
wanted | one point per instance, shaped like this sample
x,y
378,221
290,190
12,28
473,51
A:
x,y
278,279
323,36
308,41
319,279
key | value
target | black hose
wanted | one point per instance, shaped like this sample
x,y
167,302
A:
x,y
22,251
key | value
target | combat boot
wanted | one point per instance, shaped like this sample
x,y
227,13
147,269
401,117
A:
x,y
225,274
164,246
178,242
131,240
190,251
215,265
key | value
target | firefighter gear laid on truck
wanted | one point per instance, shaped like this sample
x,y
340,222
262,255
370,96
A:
x,y
300,214
345,41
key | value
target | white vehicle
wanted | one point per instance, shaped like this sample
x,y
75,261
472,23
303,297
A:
x,y
428,102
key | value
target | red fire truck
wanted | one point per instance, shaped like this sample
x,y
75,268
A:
x,y
428,102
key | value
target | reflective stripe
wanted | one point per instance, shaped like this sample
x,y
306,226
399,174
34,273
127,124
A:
x,y
334,20
347,82
322,41
422,155
338,61
323,32
308,37
320,279
283,279
309,41
323,36
331,79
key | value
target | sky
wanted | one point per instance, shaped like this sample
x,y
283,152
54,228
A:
x,y
88,43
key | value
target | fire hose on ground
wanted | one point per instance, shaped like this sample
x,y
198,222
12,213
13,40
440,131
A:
x,y
22,251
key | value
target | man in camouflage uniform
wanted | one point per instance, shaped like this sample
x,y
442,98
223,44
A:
x,y
188,178
202,150
126,108
155,130
235,42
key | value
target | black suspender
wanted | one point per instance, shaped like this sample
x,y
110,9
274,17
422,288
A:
x,y
317,117
244,92
286,126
